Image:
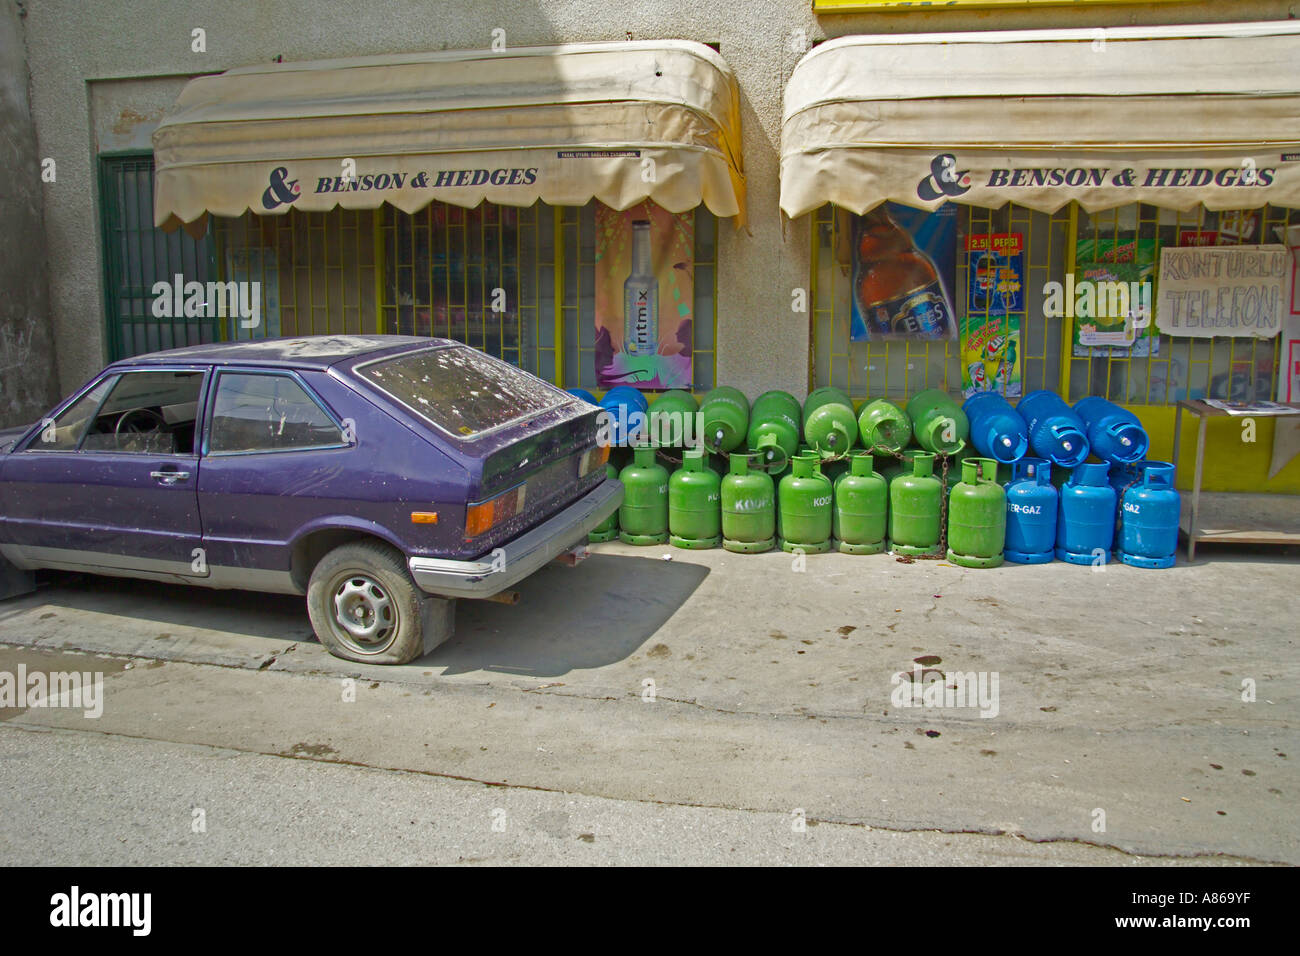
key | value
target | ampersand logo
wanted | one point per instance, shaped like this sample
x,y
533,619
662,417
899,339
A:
x,y
945,179
280,193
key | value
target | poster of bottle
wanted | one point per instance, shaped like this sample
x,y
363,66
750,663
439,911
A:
x,y
996,265
990,355
1111,296
645,295
904,273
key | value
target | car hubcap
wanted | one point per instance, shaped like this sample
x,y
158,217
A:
x,y
365,612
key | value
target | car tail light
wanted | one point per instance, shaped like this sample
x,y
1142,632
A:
x,y
592,459
483,516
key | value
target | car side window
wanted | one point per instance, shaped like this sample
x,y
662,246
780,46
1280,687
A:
x,y
267,412
64,433
149,413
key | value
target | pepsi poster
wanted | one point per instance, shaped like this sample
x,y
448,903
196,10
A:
x,y
904,274
997,274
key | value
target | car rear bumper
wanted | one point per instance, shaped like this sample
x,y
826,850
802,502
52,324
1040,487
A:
x,y
520,557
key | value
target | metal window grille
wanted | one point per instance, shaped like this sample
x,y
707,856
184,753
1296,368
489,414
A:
x,y
137,256
1218,367
1184,367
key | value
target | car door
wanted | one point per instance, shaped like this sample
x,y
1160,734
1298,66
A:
x,y
274,459
109,483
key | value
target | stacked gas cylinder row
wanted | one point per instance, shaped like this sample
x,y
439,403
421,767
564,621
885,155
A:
x,y
826,491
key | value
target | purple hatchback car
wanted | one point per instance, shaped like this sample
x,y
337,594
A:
x,y
383,476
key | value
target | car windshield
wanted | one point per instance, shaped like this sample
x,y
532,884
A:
x,y
461,390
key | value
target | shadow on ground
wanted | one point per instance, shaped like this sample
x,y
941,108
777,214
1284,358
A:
x,y
570,618
567,618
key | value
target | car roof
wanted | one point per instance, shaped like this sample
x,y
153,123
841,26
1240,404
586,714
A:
x,y
305,351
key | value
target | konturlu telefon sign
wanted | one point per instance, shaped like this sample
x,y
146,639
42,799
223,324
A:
x,y
1224,290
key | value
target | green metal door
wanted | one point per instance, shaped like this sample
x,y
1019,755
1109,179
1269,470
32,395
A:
x,y
137,255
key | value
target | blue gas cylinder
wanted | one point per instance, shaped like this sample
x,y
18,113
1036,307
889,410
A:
x,y
1114,433
1085,520
1055,431
996,429
1031,512
1148,521
585,395
627,414
1125,473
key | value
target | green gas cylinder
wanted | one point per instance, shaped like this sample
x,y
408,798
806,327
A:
x,y
643,516
884,426
694,503
724,414
861,503
774,425
829,423
607,530
748,508
938,423
915,503
820,396
804,502
977,516
673,422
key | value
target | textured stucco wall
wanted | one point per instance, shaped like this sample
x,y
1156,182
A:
x,y
27,382
73,44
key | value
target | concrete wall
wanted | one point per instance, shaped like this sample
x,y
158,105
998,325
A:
x,y
75,46
27,382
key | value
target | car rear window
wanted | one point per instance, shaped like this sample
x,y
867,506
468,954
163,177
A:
x,y
461,390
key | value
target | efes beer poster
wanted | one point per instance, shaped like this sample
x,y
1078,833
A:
x,y
904,271
645,294
995,305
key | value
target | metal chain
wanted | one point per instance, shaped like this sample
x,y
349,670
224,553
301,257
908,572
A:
x,y
1119,507
941,551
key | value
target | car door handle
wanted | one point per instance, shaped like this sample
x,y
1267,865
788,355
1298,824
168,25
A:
x,y
169,477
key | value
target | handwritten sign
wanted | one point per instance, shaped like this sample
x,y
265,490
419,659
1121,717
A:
x,y
1223,290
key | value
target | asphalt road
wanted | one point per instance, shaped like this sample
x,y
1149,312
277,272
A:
x,y
707,709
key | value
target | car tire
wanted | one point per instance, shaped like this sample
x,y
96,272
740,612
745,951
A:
x,y
364,606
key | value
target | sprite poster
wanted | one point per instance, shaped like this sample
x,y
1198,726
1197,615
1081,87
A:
x,y
645,293
995,304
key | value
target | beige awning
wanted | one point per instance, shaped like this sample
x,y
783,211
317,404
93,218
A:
x,y
617,122
1173,116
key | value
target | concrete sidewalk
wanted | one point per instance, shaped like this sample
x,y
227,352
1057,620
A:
x,y
746,683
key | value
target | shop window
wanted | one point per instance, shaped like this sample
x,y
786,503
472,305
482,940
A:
x,y
1167,369
516,283
899,368
311,272
483,276
1159,371
444,265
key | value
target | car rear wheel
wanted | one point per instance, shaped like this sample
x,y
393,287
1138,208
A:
x,y
364,606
